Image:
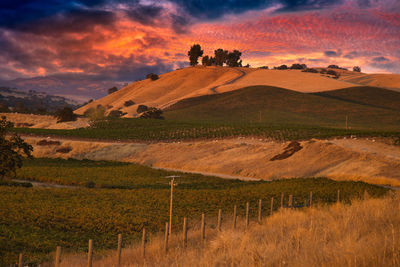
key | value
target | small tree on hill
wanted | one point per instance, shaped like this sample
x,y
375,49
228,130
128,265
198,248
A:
x,y
220,57
112,90
205,60
233,59
12,149
65,114
357,69
194,53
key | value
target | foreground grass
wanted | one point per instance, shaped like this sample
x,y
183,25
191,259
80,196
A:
x,y
166,130
365,233
36,220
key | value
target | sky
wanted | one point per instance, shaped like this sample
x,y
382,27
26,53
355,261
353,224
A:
x,y
122,41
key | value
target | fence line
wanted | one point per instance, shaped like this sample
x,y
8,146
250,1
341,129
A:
x,y
308,202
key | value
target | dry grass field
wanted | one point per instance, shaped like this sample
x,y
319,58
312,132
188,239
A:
x,y
43,121
365,233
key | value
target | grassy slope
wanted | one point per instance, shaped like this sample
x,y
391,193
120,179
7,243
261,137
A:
x,y
36,220
279,105
368,96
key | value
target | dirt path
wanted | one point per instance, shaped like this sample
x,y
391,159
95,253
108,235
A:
x,y
242,74
45,185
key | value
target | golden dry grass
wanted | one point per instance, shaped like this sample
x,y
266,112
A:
x,y
365,233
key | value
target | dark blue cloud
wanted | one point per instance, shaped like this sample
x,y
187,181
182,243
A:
x,y
331,53
380,59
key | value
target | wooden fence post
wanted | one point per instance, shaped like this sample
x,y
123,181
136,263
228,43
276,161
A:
x,y
259,210
119,249
282,195
272,206
90,253
234,216
58,256
247,214
144,243
203,227
21,260
290,205
219,225
166,238
338,196
311,199
185,232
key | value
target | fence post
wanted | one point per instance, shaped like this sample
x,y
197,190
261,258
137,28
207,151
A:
x,y
119,249
58,256
311,199
90,253
247,214
166,237
282,195
21,260
144,243
259,210
272,206
290,205
234,216
338,196
184,232
219,220
203,227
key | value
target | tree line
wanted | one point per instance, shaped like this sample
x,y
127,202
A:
x,y
221,57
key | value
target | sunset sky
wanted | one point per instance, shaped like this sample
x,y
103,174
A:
x,y
121,40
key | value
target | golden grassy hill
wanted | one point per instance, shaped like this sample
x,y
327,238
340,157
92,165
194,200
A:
x,y
198,81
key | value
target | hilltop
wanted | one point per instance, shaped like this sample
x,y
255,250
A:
x,y
197,81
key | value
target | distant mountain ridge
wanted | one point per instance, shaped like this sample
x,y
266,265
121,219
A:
x,y
32,101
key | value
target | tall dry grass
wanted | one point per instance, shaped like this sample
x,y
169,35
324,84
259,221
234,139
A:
x,y
366,233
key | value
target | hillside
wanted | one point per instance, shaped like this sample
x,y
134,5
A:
x,y
365,95
388,81
277,105
191,82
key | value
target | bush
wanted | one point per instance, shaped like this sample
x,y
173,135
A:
x,y
333,67
332,72
298,67
129,103
264,67
112,90
94,114
152,76
310,70
141,109
152,113
281,67
356,69
90,184
64,150
65,114
115,114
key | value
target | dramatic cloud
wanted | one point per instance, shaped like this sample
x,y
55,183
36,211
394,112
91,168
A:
x,y
121,40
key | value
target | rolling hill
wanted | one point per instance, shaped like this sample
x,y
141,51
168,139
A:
x,y
269,104
192,82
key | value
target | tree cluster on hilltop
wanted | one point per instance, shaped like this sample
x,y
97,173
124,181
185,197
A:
x,y
221,57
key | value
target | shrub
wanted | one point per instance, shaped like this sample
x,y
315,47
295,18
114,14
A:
x,y
64,150
95,114
281,67
65,114
115,114
333,67
310,70
90,184
129,103
152,113
264,67
152,76
356,69
298,67
331,72
112,90
142,108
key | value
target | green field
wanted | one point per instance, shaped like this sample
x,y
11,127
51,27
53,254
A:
x,y
36,220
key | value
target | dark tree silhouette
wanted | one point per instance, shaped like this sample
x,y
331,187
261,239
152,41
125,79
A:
x,y
205,60
233,59
194,53
112,90
220,56
65,114
357,69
